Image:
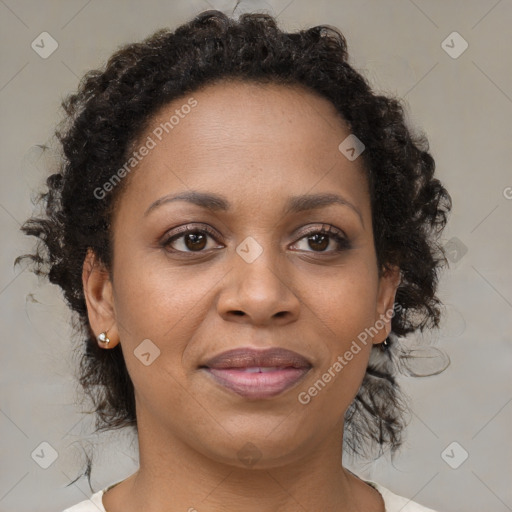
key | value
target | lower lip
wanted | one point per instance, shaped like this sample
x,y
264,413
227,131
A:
x,y
258,385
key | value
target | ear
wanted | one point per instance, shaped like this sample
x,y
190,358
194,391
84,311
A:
x,y
99,299
388,284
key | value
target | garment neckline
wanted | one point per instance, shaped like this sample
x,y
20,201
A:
x,y
375,486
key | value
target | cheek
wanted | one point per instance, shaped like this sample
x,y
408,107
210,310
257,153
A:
x,y
344,310
345,303
154,299
168,305
158,304
164,305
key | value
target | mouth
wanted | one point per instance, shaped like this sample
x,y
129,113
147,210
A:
x,y
257,374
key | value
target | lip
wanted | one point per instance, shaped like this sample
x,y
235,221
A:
x,y
257,374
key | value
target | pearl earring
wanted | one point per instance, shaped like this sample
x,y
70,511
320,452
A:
x,y
103,338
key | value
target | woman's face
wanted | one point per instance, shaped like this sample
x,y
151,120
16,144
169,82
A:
x,y
254,274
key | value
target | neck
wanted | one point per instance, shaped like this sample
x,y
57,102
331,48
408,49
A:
x,y
173,476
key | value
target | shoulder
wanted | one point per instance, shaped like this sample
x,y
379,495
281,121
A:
x,y
94,504
395,503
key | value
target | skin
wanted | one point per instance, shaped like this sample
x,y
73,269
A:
x,y
255,145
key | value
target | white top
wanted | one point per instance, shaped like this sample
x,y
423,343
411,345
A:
x,y
392,502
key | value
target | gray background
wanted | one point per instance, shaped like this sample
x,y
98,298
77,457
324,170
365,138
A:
x,y
464,105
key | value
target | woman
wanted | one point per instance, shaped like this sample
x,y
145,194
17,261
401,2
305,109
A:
x,y
245,231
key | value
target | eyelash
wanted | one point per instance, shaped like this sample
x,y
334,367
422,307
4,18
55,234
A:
x,y
342,242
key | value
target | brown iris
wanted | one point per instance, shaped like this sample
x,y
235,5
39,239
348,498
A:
x,y
195,241
315,244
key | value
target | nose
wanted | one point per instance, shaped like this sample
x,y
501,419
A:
x,y
259,293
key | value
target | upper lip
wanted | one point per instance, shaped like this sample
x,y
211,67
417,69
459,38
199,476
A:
x,y
267,358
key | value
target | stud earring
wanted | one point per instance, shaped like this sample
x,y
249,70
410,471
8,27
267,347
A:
x,y
384,346
103,338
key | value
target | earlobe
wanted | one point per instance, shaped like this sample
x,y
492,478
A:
x,y
388,285
98,294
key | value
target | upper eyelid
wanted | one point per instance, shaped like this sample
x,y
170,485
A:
x,y
332,230
190,227
184,228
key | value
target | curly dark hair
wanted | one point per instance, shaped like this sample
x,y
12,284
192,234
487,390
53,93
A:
x,y
112,107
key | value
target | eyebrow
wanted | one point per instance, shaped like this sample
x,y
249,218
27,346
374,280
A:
x,y
294,204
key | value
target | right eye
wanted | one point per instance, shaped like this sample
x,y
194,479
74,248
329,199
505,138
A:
x,y
189,239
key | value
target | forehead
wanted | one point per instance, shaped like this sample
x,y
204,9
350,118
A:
x,y
250,138
236,112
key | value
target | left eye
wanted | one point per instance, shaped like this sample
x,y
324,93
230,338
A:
x,y
320,241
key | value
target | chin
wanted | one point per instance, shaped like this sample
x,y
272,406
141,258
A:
x,y
251,444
